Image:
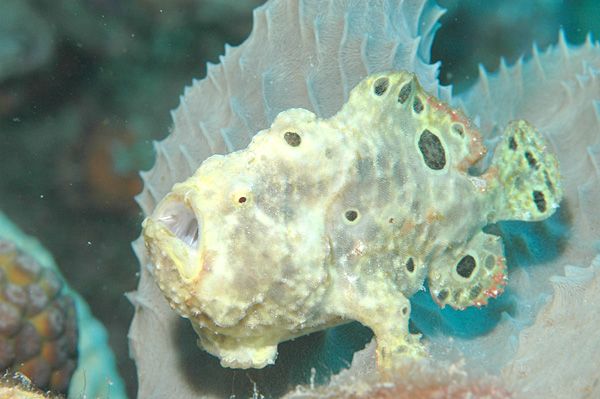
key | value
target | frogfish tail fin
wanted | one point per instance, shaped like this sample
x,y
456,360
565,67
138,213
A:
x,y
527,174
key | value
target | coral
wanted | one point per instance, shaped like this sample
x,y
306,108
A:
x,y
38,335
96,374
17,386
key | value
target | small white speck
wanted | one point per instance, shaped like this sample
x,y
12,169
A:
x,y
42,196
161,11
16,119
89,243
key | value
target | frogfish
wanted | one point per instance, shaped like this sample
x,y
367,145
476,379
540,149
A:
x,y
320,222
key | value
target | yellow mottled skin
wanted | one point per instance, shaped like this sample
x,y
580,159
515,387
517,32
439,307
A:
x,y
323,221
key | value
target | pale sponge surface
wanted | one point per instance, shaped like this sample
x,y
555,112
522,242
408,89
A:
x,y
301,53
556,91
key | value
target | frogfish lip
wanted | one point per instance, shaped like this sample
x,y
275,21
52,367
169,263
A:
x,y
173,235
181,220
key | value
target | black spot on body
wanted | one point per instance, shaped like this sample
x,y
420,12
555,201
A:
x,y
381,85
531,160
418,105
432,150
292,138
512,143
540,200
404,93
351,215
466,266
410,265
456,295
442,295
458,129
474,291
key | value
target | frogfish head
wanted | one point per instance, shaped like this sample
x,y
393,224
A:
x,y
246,232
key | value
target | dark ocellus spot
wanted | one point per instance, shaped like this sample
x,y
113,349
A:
x,y
456,295
404,93
465,266
292,138
432,150
241,200
474,291
512,143
418,105
531,160
381,85
351,215
410,265
540,201
458,129
442,295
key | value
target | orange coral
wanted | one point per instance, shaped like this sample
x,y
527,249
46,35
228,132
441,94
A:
x,y
107,187
38,326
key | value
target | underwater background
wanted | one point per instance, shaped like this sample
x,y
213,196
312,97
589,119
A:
x,y
85,86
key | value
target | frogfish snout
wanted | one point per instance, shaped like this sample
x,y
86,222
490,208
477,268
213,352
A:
x,y
173,236
182,221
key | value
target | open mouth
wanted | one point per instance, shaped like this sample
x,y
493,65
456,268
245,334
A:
x,y
182,222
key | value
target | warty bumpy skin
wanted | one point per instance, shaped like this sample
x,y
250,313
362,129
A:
x,y
323,221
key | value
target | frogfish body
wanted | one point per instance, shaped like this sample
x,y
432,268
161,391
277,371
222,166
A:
x,y
323,221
